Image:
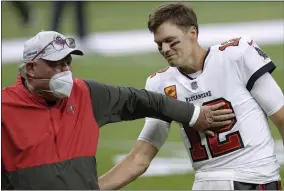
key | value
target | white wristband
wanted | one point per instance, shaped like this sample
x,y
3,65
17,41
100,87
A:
x,y
195,115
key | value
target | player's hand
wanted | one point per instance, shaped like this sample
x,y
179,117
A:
x,y
212,117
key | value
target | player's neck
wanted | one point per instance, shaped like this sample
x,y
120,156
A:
x,y
195,63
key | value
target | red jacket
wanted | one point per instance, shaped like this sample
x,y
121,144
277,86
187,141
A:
x,y
36,135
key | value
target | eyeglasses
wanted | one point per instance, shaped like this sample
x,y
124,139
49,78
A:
x,y
58,44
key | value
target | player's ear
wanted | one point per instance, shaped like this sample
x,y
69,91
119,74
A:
x,y
192,32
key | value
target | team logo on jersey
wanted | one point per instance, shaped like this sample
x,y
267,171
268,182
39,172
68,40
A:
x,y
71,109
194,85
171,91
261,53
250,43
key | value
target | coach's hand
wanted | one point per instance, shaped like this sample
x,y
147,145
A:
x,y
213,117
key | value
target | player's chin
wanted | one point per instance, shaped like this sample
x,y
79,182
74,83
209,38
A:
x,y
169,60
171,63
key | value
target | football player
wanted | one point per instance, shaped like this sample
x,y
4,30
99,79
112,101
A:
x,y
240,155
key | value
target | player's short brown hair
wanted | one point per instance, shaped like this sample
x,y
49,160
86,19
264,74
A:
x,y
177,13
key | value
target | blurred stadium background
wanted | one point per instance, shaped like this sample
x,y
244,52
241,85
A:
x,y
171,169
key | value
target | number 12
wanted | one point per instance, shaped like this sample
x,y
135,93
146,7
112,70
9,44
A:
x,y
217,148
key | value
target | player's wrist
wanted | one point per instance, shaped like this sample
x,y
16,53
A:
x,y
195,115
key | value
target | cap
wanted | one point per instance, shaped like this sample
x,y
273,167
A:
x,y
44,43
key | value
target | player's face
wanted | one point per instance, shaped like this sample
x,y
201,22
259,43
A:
x,y
176,45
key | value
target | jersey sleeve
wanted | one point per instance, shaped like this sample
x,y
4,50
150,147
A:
x,y
268,94
155,131
254,63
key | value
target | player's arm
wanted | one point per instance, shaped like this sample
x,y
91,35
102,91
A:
x,y
278,120
114,104
270,97
130,168
151,139
256,70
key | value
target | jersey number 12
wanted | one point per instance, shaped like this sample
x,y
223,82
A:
x,y
232,142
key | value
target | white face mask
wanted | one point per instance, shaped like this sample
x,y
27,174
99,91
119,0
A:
x,y
60,85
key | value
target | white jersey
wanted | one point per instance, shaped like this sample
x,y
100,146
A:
x,y
242,151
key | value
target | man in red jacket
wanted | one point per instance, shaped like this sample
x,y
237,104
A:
x,y
50,120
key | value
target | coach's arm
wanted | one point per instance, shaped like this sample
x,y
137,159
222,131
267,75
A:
x,y
114,104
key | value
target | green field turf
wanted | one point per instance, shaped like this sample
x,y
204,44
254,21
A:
x,y
133,70
106,16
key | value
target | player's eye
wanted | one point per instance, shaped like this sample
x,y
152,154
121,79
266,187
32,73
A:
x,y
169,40
174,43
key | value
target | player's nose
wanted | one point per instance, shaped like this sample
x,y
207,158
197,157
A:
x,y
165,48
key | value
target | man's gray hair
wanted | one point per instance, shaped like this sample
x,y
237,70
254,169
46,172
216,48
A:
x,y
23,70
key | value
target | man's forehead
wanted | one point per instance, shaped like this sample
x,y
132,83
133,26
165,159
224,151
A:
x,y
159,39
167,30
